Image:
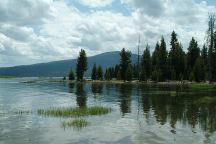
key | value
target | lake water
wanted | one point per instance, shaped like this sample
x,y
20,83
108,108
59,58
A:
x,y
140,114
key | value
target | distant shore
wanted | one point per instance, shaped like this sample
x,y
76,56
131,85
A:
x,y
195,85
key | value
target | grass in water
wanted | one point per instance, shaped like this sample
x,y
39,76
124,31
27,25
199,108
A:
x,y
173,93
201,86
74,112
77,123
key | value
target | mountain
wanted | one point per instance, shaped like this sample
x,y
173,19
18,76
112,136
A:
x,y
61,68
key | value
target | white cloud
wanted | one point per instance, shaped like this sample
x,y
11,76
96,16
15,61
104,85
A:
x,y
52,30
96,3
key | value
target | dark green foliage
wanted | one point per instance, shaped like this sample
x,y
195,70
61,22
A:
x,y
81,65
116,71
107,74
192,55
71,75
100,73
125,60
94,74
119,75
163,60
135,71
145,65
212,48
129,73
156,63
176,58
199,70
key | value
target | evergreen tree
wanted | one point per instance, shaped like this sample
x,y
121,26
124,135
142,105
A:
x,y
116,71
204,56
81,65
163,60
71,75
145,65
100,73
212,44
156,73
125,60
94,72
176,58
107,74
199,70
129,73
192,55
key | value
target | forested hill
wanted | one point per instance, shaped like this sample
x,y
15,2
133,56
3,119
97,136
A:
x,y
61,68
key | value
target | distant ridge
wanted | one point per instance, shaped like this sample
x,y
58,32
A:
x,y
61,68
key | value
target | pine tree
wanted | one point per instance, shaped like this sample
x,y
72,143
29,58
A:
x,y
129,73
192,55
176,58
94,72
107,74
145,65
125,60
71,75
163,59
204,56
116,71
156,73
100,73
81,65
211,42
199,70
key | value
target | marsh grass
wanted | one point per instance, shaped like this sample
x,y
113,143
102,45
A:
x,y
77,123
173,93
202,86
74,112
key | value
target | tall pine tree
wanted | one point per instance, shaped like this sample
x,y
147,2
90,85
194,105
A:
x,y
81,65
125,60
145,65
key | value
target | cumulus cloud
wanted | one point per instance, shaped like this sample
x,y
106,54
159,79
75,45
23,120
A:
x,y
96,3
46,30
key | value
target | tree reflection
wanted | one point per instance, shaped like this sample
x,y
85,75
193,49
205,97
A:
x,y
71,87
81,95
125,98
182,108
96,88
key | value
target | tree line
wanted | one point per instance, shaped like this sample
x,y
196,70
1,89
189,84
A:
x,y
197,64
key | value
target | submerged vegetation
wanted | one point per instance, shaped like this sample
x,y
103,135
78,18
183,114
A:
x,y
74,112
77,123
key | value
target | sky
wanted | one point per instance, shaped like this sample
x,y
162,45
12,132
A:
x,y
36,31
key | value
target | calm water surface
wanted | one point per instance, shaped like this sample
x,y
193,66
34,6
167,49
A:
x,y
140,114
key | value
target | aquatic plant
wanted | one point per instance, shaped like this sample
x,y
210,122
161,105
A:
x,y
74,112
77,123
201,86
173,93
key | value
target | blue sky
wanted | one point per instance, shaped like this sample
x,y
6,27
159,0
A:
x,y
49,30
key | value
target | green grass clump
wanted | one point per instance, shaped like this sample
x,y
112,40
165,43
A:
x,y
173,93
77,123
206,100
7,76
201,86
74,112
